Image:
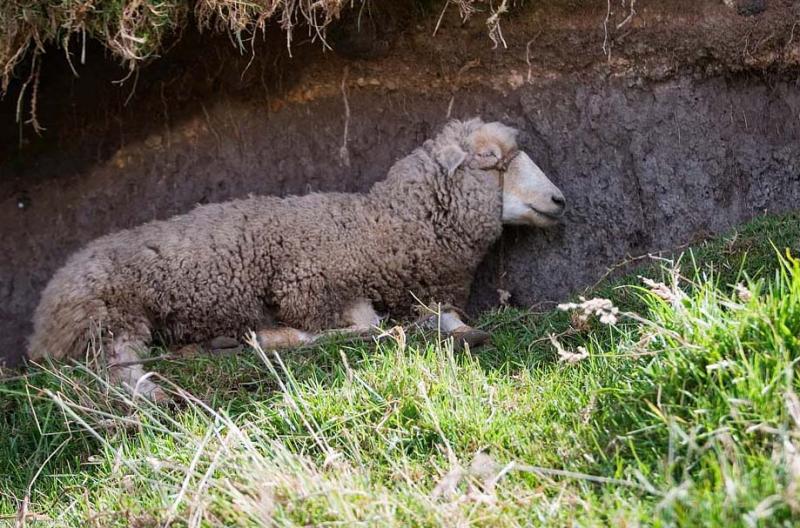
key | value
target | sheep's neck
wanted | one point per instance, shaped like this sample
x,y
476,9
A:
x,y
460,212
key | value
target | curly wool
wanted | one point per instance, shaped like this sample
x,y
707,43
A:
x,y
246,264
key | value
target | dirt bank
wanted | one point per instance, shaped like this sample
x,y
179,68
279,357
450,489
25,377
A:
x,y
677,124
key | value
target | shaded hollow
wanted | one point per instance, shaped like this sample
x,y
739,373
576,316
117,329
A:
x,y
679,124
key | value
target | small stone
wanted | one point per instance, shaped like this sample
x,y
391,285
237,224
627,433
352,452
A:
x,y
751,7
515,80
153,141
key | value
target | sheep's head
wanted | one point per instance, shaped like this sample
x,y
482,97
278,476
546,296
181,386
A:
x,y
529,197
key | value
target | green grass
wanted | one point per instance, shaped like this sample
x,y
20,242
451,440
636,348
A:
x,y
684,413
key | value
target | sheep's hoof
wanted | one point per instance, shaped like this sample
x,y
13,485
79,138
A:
x,y
150,391
190,351
160,397
468,336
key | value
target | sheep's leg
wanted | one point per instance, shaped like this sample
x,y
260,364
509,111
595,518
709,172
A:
x,y
285,337
122,370
450,323
360,315
361,318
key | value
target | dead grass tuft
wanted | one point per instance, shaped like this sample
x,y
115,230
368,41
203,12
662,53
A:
x,y
136,30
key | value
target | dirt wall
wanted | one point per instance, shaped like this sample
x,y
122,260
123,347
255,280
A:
x,y
674,126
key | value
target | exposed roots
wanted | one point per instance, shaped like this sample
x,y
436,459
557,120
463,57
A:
x,y
344,153
493,23
137,30
36,68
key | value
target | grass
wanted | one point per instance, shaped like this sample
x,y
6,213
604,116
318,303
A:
x,y
684,413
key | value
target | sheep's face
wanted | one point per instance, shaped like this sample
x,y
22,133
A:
x,y
529,197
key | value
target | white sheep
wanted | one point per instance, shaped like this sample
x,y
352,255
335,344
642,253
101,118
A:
x,y
292,267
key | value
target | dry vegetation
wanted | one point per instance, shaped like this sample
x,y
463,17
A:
x,y
136,30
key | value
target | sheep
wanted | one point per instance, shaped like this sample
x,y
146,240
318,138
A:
x,y
293,267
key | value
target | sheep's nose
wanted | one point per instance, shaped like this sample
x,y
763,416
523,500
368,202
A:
x,y
559,200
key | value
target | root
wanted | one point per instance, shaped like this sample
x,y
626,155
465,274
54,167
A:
x,y
606,43
791,35
133,88
441,16
33,120
493,23
528,55
36,69
474,63
344,153
631,14
606,37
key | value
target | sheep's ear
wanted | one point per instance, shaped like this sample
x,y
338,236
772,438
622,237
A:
x,y
450,157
